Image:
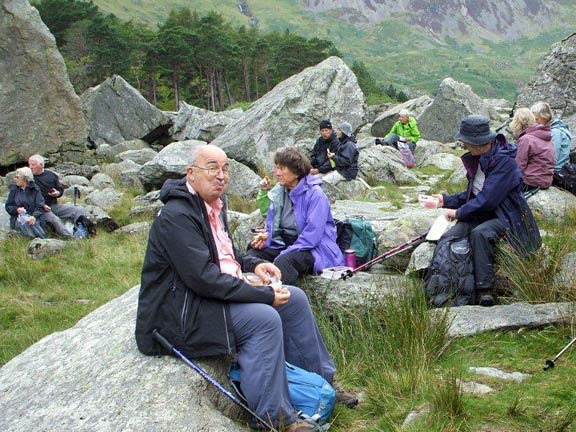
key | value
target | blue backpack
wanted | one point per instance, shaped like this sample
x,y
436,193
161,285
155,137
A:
x,y
311,395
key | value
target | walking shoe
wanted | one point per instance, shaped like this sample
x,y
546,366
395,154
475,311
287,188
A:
x,y
302,426
348,399
485,298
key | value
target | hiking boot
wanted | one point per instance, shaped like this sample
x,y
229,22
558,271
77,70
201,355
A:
x,y
348,399
485,298
302,426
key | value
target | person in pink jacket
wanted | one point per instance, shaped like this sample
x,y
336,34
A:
x,y
535,155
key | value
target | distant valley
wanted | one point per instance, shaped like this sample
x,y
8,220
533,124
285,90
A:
x,y
493,45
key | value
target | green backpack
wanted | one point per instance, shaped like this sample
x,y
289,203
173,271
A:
x,y
357,234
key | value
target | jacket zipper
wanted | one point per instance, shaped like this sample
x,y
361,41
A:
x,y
226,330
184,313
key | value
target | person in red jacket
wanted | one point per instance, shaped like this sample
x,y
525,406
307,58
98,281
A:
x,y
535,154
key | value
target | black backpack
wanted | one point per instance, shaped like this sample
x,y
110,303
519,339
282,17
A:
x,y
449,280
357,234
566,178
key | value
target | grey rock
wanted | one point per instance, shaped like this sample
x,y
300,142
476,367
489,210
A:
x,y
353,189
426,151
383,164
131,180
500,374
445,161
74,180
552,204
566,276
71,168
420,258
200,124
134,228
244,182
40,111
170,162
554,81
384,122
440,121
43,248
107,151
139,156
84,191
470,320
240,225
291,111
102,181
416,414
114,170
469,387
116,112
458,177
375,111
91,377
148,204
4,220
105,198
102,219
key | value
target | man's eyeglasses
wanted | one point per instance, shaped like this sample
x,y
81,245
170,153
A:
x,y
214,170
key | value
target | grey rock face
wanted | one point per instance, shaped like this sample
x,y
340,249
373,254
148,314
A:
x,y
102,181
554,81
440,121
110,151
115,170
500,374
291,112
426,152
384,122
148,204
4,220
116,112
72,168
105,198
383,164
139,156
566,277
552,204
92,378
243,181
352,189
200,124
74,180
135,228
40,111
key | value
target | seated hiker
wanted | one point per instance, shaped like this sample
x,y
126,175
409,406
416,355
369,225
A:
x,y
493,206
25,205
326,142
345,160
300,231
193,292
404,130
49,184
560,131
535,153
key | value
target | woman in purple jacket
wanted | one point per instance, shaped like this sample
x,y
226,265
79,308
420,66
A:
x,y
300,230
535,154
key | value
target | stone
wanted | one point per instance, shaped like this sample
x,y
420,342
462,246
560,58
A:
x,y
200,124
102,219
4,220
500,374
139,156
74,180
44,248
383,164
470,320
135,228
82,190
416,414
116,112
92,377
240,226
243,182
40,111
71,168
427,150
148,204
291,112
107,151
469,387
353,189
552,204
105,198
102,181
114,170
566,276
440,121
420,258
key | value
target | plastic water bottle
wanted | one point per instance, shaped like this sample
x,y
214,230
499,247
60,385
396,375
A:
x,y
22,218
80,231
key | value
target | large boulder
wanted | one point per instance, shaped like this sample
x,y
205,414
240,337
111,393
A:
x,y
383,164
200,124
440,121
40,111
116,112
555,81
92,378
552,204
291,111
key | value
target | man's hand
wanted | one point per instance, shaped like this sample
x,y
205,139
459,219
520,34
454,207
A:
x,y
30,220
54,193
440,199
20,210
259,241
265,183
47,208
265,270
450,214
329,154
314,171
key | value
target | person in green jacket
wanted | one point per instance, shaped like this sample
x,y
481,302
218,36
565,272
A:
x,y
404,130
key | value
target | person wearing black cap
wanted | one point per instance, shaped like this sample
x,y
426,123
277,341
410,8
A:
x,y
327,142
345,161
493,206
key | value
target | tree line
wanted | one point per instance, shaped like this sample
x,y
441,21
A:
x,y
202,60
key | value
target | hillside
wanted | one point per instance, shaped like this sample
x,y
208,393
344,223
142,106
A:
x,y
493,46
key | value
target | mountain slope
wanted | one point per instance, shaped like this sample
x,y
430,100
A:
x,y
493,45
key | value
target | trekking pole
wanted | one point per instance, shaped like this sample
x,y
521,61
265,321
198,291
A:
x,y
76,194
389,253
551,363
531,193
167,345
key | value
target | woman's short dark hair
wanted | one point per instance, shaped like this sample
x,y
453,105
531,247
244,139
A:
x,y
294,160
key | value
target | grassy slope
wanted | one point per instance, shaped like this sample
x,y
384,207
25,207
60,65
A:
x,y
393,52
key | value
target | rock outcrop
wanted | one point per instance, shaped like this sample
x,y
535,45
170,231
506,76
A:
x,y
291,112
200,124
92,377
382,124
40,111
555,82
116,112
